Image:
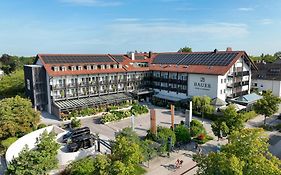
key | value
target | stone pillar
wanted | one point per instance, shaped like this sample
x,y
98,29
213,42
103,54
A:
x,y
188,115
172,116
153,126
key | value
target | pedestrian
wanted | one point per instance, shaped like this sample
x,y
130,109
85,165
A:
x,y
196,146
180,165
177,163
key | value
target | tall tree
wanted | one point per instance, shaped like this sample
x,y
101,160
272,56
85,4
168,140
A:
x,y
17,117
185,49
202,104
232,119
268,105
12,84
246,153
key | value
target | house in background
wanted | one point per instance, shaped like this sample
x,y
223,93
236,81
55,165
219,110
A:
x,y
267,77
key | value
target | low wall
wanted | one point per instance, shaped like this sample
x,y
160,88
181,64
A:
x,y
29,140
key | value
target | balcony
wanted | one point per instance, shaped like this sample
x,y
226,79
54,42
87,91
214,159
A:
x,y
58,86
83,84
242,73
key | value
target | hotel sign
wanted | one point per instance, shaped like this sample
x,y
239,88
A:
x,y
202,85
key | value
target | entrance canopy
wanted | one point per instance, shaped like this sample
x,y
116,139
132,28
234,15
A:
x,y
246,99
169,98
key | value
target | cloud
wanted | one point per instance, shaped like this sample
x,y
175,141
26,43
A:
x,y
245,9
173,29
266,21
92,2
127,19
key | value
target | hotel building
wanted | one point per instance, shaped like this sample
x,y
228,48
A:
x,y
59,83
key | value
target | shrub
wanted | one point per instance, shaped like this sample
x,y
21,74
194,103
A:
x,y
7,142
182,134
196,128
115,115
41,125
138,109
81,167
249,115
162,138
75,123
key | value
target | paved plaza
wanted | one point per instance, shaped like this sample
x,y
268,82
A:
x,y
165,165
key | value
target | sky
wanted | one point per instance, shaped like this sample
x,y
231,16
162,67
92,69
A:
x,y
29,27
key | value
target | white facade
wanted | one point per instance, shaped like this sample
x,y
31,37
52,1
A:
x,y
273,85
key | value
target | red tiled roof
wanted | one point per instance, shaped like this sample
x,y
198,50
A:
x,y
127,67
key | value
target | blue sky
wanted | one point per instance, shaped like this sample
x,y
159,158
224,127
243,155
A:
x,y
28,27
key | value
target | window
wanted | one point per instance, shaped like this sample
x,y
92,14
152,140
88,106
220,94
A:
x,y
224,91
221,80
73,68
56,68
225,80
221,91
79,67
28,84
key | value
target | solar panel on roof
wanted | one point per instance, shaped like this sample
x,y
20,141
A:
x,y
56,59
118,58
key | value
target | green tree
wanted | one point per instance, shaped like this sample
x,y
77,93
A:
x,y
219,128
268,105
102,165
12,85
119,168
163,135
219,164
126,151
232,119
185,49
202,104
247,150
42,159
81,167
277,54
182,134
17,117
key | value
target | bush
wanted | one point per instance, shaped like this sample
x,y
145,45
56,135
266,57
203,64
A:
x,y
162,138
138,109
81,167
41,125
196,128
202,138
7,142
115,116
75,123
182,134
249,115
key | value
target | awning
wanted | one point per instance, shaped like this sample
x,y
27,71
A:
x,y
169,98
92,101
237,107
246,99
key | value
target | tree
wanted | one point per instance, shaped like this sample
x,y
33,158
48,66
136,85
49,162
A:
x,y
182,134
81,167
219,128
232,119
12,85
42,159
17,117
268,105
246,153
185,49
202,104
278,55
102,165
126,151
219,164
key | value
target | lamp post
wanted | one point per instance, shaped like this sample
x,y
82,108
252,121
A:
x,y
133,122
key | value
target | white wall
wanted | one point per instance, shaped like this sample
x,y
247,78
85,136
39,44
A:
x,y
274,86
210,87
29,140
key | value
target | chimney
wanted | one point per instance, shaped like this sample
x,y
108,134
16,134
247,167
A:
x,y
149,54
132,55
228,49
216,51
